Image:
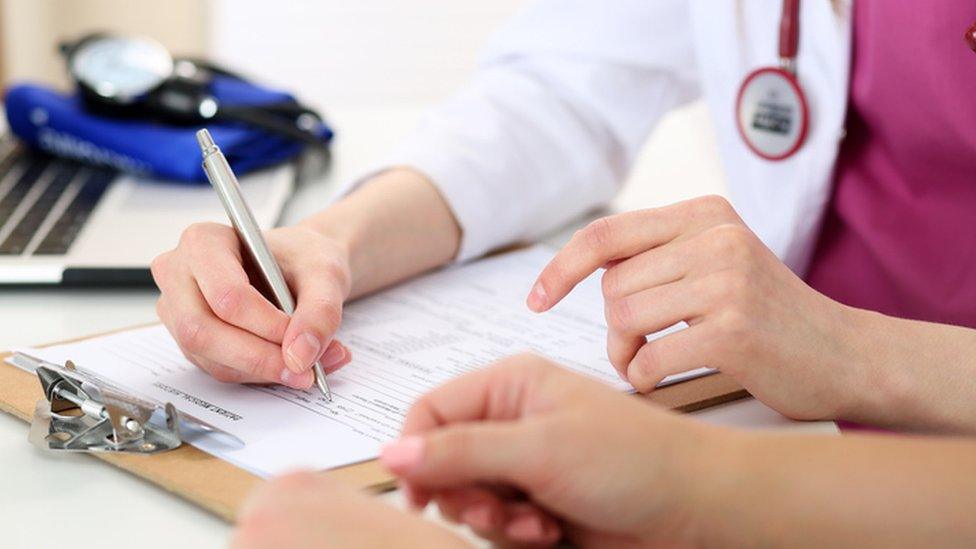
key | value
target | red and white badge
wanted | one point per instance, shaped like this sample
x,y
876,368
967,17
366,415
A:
x,y
771,111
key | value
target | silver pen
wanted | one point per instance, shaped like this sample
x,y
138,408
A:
x,y
229,190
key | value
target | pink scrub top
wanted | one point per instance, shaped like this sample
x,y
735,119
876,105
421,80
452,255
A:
x,y
899,235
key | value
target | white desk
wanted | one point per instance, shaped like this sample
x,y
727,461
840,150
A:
x,y
99,506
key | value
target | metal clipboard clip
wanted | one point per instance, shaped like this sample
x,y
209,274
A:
x,y
83,413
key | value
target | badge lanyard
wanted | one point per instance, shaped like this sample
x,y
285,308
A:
x,y
771,111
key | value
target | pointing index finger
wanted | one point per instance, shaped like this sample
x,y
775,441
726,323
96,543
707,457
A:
x,y
605,240
621,236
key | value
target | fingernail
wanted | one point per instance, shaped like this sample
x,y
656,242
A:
x,y
403,455
639,379
525,528
302,352
416,499
622,374
537,298
478,517
333,356
301,381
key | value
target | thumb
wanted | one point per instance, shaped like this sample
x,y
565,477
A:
x,y
463,454
313,325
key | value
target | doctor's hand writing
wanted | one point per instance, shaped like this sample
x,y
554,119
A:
x,y
748,314
229,329
393,226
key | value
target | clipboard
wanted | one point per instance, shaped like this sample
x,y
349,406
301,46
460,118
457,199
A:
x,y
221,488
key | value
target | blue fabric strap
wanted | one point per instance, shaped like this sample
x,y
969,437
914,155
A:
x,y
60,124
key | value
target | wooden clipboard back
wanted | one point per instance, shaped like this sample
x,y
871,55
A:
x,y
221,488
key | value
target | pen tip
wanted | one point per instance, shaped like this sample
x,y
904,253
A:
x,y
323,385
206,141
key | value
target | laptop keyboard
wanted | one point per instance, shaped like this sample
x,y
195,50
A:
x,y
44,201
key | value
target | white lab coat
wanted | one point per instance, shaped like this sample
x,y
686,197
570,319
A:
x,y
570,89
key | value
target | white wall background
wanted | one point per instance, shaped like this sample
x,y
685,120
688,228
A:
x,y
362,52
379,56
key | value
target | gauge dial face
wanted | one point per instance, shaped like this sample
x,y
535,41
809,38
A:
x,y
121,68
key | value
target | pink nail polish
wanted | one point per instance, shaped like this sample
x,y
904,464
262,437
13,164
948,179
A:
x,y
400,456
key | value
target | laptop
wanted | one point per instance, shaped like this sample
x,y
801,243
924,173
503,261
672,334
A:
x,y
63,223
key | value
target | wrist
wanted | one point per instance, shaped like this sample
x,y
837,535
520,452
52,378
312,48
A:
x,y
875,379
905,372
911,374
339,224
337,245
350,219
703,480
339,234
393,226
849,359
356,224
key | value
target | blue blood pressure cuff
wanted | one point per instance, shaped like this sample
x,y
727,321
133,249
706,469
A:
x,y
60,124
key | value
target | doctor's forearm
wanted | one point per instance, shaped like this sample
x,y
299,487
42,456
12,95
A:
x,y
393,227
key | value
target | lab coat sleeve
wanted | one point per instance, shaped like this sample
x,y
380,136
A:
x,y
565,96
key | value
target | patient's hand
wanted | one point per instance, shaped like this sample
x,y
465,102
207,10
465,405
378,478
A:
x,y
525,452
227,328
309,510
